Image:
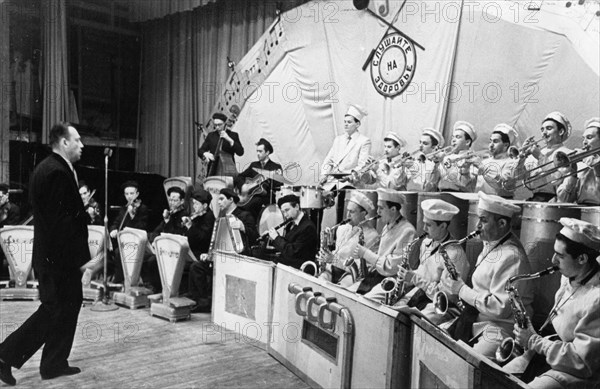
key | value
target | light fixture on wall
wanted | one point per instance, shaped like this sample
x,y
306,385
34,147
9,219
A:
x,y
230,64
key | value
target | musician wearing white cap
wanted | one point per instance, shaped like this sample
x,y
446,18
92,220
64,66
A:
x,y
397,232
555,130
437,215
497,174
348,236
487,301
572,356
390,172
453,173
421,170
588,179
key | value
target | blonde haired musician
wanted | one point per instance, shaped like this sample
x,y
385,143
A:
x,y
573,354
502,257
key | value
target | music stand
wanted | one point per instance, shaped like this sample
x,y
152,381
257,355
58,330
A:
x,y
104,304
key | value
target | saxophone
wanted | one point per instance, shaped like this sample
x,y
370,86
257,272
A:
x,y
394,289
509,349
360,271
314,268
441,298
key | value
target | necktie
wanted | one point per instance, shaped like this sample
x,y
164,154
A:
x,y
75,175
348,139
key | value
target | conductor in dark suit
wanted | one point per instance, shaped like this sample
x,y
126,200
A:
x,y
224,157
299,244
60,248
264,193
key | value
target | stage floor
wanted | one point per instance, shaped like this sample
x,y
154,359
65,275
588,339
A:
x,y
130,349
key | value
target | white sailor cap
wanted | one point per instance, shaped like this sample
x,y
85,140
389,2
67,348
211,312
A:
x,y
562,119
438,210
393,136
498,205
581,232
466,127
434,134
385,194
357,112
508,131
362,200
593,122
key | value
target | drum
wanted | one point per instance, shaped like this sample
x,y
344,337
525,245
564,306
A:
x,y
540,223
270,217
459,224
285,190
214,186
310,197
591,215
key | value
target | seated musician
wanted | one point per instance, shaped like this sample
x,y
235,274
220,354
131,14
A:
x,y
10,214
199,232
222,161
420,171
299,244
572,355
588,180
396,233
172,223
497,173
228,201
486,301
437,215
347,237
256,194
555,130
452,173
133,214
389,172
91,205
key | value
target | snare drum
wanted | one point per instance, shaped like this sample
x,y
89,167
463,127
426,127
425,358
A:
x,y
591,215
311,197
270,217
285,190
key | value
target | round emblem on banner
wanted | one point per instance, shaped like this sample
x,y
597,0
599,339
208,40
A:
x,y
393,65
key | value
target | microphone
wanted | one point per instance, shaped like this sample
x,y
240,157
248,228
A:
x,y
108,152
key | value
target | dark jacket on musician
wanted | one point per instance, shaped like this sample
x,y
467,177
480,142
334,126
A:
x,y
251,234
299,244
212,139
60,220
140,221
97,220
269,185
200,233
10,215
173,226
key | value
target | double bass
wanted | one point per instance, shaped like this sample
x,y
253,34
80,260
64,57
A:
x,y
223,165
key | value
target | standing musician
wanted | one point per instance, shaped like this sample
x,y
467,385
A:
x,y
588,180
219,148
422,168
227,202
350,151
260,191
452,173
502,257
347,237
497,174
9,212
390,172
555,130
299,244
572,355
199,232
133,214
90,204
397,232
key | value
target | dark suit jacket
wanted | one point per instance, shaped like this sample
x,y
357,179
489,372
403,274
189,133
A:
x,y
174,226
59,219
140,221
200,233
212,139
270,186
251,234
299,244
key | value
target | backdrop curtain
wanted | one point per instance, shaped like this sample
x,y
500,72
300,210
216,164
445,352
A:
x,y
55,84
143,10
184,69
4,81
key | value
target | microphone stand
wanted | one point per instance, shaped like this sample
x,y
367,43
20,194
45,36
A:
x,y
104,304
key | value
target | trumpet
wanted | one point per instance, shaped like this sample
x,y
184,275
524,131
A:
x,y
523,151
452,159
438,153
441,298
509,349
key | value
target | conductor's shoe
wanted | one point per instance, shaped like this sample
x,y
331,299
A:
x,y
6,374
69,370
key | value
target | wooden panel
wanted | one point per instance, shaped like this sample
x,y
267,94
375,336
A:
x,y
242,288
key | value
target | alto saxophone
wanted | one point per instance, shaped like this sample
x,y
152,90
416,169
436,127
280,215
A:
x,y
327,241
509,349
394,289
360,271
441,298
